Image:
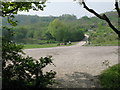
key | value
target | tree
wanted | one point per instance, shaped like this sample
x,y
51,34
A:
x,y
57,29
65,32
30,34
20,33
22,72
67,17
75,33
11,8
104,17
48,36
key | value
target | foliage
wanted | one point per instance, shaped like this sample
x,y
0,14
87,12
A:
x,y
103,35
29,20
110,78
20,71
100,34
23,72
44,29
57,29
75,33
67,17
104,16
47,35
11,8
65,32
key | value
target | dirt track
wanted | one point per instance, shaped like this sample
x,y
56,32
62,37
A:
x,y
77,66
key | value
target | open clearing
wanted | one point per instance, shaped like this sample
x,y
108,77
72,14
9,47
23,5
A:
x,y
77,66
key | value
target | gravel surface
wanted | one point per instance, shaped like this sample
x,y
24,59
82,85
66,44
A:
x,y
77,66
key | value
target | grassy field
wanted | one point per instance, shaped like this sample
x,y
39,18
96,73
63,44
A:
x,y
29,46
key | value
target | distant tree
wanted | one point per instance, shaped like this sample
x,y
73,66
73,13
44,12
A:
x,y
65,32
48,36
75,33
85,17
37,35
57,29
67,17
20,33
104,17
30,34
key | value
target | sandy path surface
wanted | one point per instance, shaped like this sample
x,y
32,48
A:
x,y
77,66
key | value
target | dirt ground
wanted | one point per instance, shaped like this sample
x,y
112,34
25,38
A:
x,y
77,66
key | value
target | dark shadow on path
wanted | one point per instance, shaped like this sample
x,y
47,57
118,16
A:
x,y
78,80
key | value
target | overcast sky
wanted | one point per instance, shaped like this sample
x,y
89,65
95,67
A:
x,y
59,7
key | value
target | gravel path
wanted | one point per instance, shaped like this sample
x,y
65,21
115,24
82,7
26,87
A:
x,y
77,66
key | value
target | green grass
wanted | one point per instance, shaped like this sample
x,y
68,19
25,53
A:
x,y
106,43
110,78
29,46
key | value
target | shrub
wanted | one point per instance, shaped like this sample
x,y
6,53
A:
x,y
110,78
19,71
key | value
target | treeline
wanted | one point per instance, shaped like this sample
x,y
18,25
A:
x,y
56,30
35,29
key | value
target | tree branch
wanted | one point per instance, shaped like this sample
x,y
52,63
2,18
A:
x,y
10,11
117,8
4,13
103,17
91,10
110,24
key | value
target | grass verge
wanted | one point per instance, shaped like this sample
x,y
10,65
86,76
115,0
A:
x,y
110,78
29,46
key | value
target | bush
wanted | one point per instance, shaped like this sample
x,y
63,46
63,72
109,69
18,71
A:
x,y
19,71
110,78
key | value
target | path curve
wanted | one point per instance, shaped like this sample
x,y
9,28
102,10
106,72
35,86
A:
x,y
77,66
